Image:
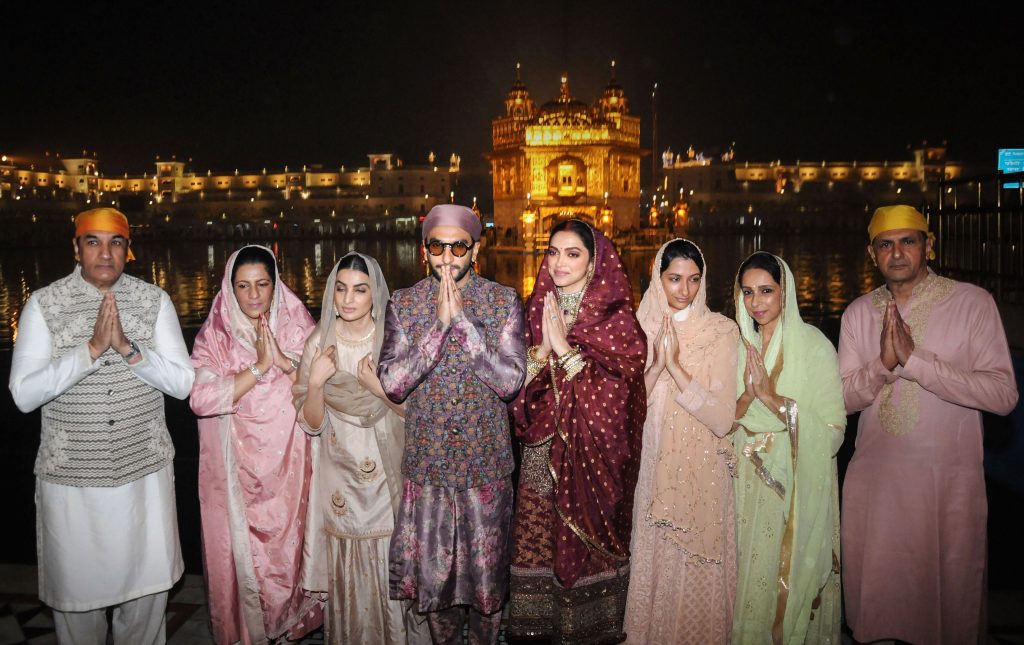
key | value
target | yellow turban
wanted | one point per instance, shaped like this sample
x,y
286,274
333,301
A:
x,y
106,220
891,218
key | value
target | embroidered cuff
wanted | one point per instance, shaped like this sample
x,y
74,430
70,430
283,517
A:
x,y
309,429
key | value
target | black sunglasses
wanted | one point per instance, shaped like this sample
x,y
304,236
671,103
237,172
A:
x,y
458,248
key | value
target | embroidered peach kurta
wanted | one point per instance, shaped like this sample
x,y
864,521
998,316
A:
x,y
914,506
682,581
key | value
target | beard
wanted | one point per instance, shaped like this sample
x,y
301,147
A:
x,y
435,272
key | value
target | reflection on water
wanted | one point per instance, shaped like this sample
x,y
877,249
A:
x,y
830,271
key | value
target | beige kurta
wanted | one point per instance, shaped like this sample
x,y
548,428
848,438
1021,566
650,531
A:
x,y
356,519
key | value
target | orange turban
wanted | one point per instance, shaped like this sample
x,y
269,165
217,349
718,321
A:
x,y
891,218
105,220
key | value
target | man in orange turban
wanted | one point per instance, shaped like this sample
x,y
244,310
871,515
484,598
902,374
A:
x,y
109,221
97,350
921,357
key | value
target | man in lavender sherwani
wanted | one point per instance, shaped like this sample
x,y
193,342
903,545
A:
x,y
454,353
920,357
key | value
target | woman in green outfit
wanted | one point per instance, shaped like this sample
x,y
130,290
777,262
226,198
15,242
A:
x,y
790,423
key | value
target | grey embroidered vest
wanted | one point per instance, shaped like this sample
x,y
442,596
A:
x,y
109,428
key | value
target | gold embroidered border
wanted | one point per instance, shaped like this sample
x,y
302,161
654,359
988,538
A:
x,y
588,613
751,450
786,552
665,524
588,540
900,418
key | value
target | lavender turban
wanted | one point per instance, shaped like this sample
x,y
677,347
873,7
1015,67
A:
x,y
452,215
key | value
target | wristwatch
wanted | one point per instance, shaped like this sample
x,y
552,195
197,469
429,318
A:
x,y
135,350
294,365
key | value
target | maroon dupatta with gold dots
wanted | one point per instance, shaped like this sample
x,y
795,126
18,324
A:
x,y
596,423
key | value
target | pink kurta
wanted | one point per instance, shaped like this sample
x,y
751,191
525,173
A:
x,y
914,505
254,474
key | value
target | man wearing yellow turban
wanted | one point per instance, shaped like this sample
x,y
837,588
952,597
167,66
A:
x,y
97,350
920,358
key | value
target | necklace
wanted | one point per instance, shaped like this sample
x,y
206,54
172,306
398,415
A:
x,y
570,305
353,341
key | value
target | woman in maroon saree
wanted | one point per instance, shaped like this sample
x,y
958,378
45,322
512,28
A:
x,y
579,419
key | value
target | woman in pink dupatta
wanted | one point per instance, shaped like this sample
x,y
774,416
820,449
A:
x,y
580,419
254,461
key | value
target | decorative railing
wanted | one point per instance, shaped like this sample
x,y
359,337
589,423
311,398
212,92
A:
x,y
978,224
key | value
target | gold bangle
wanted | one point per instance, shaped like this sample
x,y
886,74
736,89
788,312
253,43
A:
x,y
572,362
573,367
568,356
533,366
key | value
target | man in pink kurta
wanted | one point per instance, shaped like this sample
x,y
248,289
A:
x,y
921,357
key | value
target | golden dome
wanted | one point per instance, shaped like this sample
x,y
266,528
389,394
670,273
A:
x,y
565,110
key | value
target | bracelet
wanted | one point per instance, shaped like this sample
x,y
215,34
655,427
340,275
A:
x,y
567,357
574,367
533,365
256,372
572,362
294,366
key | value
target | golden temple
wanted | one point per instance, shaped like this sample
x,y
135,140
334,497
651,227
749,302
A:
x,y
564,159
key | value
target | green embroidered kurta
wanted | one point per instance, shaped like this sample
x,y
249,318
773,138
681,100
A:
x,y
787,502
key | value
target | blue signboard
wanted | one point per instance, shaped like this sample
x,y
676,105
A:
x,y
1011,160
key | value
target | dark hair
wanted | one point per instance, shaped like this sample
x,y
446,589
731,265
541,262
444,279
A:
x,y
764,261
355,262
681,249
255,255
579,228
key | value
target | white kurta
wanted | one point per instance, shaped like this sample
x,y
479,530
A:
x,y
100,546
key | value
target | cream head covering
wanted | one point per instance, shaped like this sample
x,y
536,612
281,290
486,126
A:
x,y
343,391
452,215
104,220
899,216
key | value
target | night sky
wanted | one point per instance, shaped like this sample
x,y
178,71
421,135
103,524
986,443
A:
x,y
250,85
